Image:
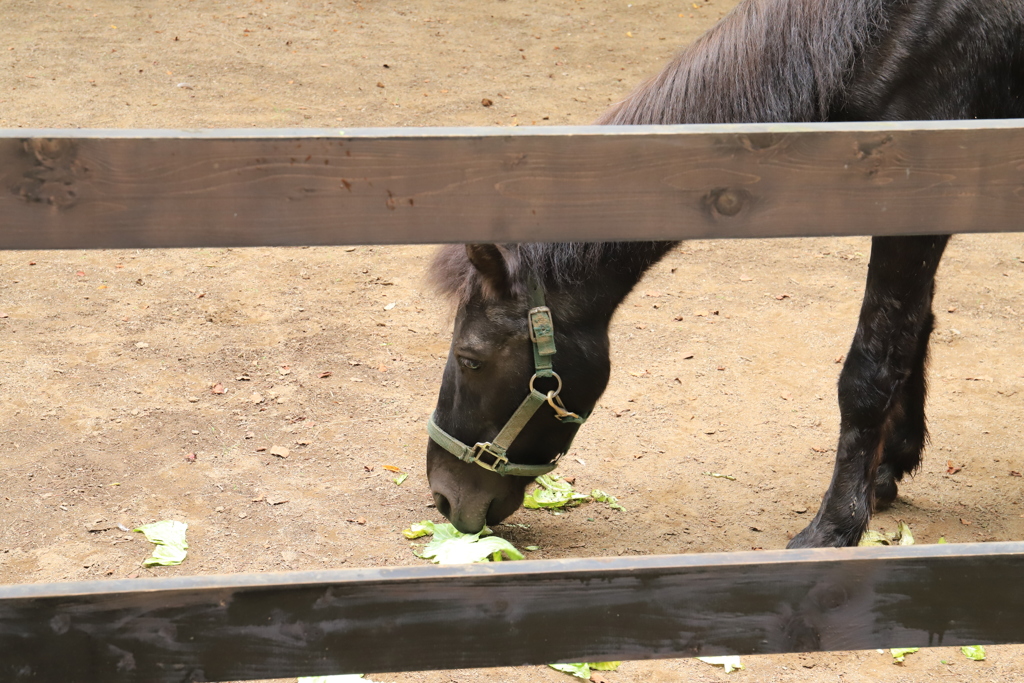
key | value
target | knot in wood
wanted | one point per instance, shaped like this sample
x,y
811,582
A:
x,y
51,174
727,201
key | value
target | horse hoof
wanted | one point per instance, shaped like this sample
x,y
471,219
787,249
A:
x,y
826,536
811,538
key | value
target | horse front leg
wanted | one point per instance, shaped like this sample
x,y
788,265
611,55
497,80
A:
x,y
909,432
881,390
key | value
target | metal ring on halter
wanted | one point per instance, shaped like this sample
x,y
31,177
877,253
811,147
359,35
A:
x,y
557,391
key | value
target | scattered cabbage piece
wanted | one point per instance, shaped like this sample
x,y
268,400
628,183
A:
x,y
579,670
602,497
975,652
605,666
450,546
424,528
469,548
553,492
583,669
900,653
872,537
400,478
730,662
169,537
720,476
902,536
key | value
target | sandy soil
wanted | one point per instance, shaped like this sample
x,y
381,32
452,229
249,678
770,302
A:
x,y
108,358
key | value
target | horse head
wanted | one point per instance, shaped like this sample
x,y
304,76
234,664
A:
x,y
527,363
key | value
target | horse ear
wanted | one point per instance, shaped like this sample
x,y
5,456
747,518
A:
x,y
490,263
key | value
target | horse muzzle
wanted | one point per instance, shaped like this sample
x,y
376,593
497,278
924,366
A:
x,y
470,496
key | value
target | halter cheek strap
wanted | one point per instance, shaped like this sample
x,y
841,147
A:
x,y
491,455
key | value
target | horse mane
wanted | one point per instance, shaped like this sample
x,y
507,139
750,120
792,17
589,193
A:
x,y
766,61
556,264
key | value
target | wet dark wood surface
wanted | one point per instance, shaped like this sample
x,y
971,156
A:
x,y
137,189
241,627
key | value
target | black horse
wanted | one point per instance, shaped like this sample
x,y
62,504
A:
x,y
767,61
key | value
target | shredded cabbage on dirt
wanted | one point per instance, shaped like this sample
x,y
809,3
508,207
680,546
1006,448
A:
x,y
900,653
553,493
975,652
902,536
451,546
583,669
169,537
729,662
602,497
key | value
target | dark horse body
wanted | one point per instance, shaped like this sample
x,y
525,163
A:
x,y
768,61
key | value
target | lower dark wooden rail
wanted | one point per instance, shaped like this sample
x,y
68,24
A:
x,y
217,628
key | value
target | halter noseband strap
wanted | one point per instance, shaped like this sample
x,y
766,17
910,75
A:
x,y
491,454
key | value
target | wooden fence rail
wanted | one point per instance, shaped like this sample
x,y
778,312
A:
x,y
64,189
217,628
137,189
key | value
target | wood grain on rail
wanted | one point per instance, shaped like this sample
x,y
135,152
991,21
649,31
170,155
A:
x,y
136,189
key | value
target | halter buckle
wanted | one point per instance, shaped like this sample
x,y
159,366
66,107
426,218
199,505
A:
x,y
496,454
542,330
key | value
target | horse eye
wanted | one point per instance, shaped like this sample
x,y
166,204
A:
x,y
469,363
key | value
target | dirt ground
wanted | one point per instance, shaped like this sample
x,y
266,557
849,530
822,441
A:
x,y
724,360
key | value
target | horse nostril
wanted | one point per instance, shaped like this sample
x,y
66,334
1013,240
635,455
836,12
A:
x,y
443,506
499,510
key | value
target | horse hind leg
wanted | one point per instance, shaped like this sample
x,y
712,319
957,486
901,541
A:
x,y
881,389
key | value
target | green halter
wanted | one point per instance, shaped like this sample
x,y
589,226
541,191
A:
x,y
491,454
